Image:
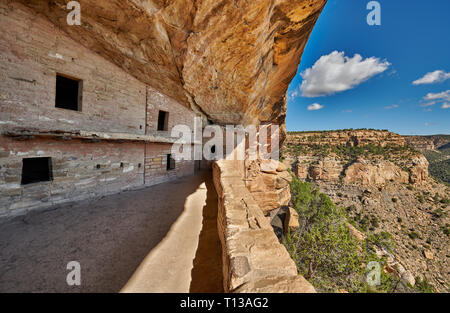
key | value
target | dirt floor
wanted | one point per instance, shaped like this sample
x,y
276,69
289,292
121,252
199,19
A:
x,y
163,237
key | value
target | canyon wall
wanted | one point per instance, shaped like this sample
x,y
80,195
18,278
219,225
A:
x,y
361,157
433,142
357,137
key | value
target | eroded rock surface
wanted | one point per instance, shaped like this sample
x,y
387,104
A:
x,y
361,157
270,188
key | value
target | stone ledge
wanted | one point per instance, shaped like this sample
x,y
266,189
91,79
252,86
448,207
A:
x,y
253,258
81,134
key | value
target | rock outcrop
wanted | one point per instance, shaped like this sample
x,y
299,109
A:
x,y
352,138
432,142
231,60
418,170
364,173
420,143
360,172
361,157
269,187
327,169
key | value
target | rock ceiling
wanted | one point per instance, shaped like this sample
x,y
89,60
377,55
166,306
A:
x,y
233,60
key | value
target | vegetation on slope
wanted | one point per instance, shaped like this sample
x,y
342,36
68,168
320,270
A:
x,y
334,130
439,159
397,154
439,164
325,252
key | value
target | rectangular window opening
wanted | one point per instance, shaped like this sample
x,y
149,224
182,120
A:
x,y
35,170
68,93
170,162
163,121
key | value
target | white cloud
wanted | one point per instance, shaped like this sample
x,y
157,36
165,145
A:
x,y
394,106
445,105
347,111
294,94
315,107
335,73
432,77
428,104
445,95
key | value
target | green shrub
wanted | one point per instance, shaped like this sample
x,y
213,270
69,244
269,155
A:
x,y
421,198
414,235
446,229
351,208
322,247
438,213
382,240
422,285
374,222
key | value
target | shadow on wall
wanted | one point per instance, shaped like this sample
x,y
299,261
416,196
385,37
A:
x,y
108,237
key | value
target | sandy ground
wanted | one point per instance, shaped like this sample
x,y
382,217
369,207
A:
x,y
163,237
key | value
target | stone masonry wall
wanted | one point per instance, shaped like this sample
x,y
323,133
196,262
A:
x,y
33,51
178,114
156,165
80,170
253,258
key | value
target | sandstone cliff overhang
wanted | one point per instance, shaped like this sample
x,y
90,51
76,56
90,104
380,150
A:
x,y
231,60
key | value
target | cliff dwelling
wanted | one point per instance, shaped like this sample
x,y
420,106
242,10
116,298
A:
x,y
124,167
86,114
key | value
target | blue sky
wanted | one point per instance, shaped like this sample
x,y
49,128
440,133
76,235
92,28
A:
x,y
412,40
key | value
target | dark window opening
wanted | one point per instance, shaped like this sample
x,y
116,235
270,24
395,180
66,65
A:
x,y
170,162
35,170
163,120
68,93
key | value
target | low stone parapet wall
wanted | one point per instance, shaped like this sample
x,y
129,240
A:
x,y
253,258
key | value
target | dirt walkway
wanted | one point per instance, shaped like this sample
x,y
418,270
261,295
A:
x,y
188,258
114,236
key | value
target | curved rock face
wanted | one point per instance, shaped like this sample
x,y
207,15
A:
x,y
364,173
231,60
358,137
418,170
359,157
